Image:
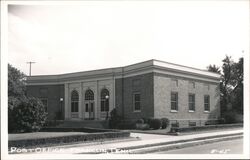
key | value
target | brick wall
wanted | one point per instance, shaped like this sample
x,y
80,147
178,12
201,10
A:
x,y
52,93
164,85
142,84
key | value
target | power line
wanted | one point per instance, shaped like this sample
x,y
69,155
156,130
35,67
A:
x,y
30,66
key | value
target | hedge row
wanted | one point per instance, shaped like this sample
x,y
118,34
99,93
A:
x,y
144,124
67,129
207,127
66,139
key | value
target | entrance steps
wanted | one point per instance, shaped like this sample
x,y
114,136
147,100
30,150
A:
x,y
84,123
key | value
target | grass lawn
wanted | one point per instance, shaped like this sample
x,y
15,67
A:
x,y
37,135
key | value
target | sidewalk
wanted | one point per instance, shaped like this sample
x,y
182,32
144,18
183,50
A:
x,y
140,141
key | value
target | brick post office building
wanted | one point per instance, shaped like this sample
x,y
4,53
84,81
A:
x,y
153,88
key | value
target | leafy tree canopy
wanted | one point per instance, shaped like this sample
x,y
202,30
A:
x,y
231,86
16,82
25,114
213,68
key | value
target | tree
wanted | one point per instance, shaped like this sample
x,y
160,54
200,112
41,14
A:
x,y
16,82
24,113
29,115
231,85
16,86
213,68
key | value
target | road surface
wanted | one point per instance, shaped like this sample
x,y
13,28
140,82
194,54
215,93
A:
x,y
224,147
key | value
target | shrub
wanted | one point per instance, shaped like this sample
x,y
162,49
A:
x,y
145,120
232,117
140,121
27,116
127,125
155,123
143,126
66,139
115,119
164,123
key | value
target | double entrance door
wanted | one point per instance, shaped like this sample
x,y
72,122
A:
x,y
89,110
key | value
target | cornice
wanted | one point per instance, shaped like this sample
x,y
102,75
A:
x,y
151,66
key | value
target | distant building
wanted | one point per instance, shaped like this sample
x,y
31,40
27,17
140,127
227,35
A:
x,y
148,89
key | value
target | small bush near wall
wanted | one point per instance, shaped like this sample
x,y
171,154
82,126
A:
x,y
164,123
115,119
127,124
155,123
140,121
143,126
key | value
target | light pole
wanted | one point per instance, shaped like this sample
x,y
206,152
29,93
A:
x,y
61,101
106,107
30,66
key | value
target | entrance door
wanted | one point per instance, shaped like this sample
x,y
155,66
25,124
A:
x,y
89,111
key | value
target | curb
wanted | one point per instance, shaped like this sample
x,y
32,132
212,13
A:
x,y
155,147
180,141
181,145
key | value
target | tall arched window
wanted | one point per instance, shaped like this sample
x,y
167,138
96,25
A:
x,y
104,100
74,101
89,95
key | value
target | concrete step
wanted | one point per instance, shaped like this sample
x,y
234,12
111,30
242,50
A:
x,y
180,144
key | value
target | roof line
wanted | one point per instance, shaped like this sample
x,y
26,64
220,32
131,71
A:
x,y
112,68
185,66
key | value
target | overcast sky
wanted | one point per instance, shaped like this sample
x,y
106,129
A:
x,y
101,34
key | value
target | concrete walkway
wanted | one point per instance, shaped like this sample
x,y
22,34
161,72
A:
x,y
139,140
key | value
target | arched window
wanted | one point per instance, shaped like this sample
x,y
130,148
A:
x,y
74,101
104,100
89,95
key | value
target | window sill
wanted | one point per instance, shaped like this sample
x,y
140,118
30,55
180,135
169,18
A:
x,y
190,111
206,111
173,111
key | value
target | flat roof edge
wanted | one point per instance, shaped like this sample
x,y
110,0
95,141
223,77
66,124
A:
x,y
134,67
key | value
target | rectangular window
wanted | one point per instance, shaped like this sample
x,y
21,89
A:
x,y
137,101
45,103
191,102
207,103
174,101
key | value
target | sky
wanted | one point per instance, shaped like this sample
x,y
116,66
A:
x,y
73,37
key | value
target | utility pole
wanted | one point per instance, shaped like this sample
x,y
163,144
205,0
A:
x,y
30,66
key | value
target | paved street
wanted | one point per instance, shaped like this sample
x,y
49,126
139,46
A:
x,y
223,147
139,140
